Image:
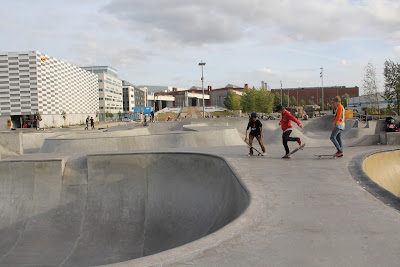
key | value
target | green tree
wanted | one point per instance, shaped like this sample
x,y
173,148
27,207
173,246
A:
x,y
229,99
285,100
264,101
249,100
344,100
277,99
236,102
391,73
302,102
293,101
311,102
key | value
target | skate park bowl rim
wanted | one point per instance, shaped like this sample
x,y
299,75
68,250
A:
x,y
212,238
356,169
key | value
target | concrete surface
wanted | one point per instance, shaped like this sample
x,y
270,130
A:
x,y
110,208
384,169
302,211
228,137
11,143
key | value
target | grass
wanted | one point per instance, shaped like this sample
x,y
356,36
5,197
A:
x,y
222,113
164,116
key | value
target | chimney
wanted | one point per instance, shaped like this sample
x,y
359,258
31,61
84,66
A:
x,y
246,86
174,89
209,88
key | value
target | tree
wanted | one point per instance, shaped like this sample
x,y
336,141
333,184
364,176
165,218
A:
x,y
264,101
293,101
232,101
370,84
311,102
277,99
302,102
285,100
236,102
391,72
249,100
344,100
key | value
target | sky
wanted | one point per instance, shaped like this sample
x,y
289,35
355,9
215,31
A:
x,y
161,42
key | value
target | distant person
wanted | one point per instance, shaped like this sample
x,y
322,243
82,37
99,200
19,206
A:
x,y
286,126
338,126
152,116
37,122
87,123
256,131
92,123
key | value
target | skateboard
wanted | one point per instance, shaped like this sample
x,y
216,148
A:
x,y
259,153
326,156
297,149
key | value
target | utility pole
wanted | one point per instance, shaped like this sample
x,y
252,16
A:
x,y
202,64
322,88
281,93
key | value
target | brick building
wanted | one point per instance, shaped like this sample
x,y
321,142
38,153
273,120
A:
x,y
312,94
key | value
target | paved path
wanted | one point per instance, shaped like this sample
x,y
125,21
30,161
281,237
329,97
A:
x,y
311,213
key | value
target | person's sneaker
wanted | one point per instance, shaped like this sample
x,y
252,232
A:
x,y
264,153
299,141
338,154
249,154
286,156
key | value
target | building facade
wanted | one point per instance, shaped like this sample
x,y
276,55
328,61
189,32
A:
x,y
110,97
32,82
128,91
360,102
313,95
140,97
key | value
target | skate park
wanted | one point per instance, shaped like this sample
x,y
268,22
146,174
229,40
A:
x,y
186,193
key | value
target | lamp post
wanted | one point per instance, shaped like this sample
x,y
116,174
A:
x,y
322,88
281,93
202,83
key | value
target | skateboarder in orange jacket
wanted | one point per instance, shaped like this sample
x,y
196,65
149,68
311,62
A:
x,y
286,117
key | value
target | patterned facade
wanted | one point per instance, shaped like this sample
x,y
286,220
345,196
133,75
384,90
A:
x,y
33,82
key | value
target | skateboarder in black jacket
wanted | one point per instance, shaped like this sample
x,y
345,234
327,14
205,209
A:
x,y
256,131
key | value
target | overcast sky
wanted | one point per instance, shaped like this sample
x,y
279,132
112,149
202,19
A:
x,y
161,42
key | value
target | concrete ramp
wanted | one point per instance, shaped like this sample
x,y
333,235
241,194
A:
x,y
105,209
226,137
384,169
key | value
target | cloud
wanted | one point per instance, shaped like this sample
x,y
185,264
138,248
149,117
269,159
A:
x,y
205,22
396,50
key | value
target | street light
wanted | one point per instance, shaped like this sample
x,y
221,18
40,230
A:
x,y
202,83
321,75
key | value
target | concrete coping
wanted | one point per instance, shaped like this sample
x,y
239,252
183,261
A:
x,y
356,170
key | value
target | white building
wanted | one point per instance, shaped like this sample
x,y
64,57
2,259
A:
x,y
33,82
359,102
110,90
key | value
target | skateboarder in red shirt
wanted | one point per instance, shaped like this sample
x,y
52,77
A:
x,y
286,117
256,131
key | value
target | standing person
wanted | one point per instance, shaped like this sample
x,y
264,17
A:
x,y
286,126
92,122
256,131
152,116
338,126
87,123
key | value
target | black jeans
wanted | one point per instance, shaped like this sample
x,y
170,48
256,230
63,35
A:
x,y
286,137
